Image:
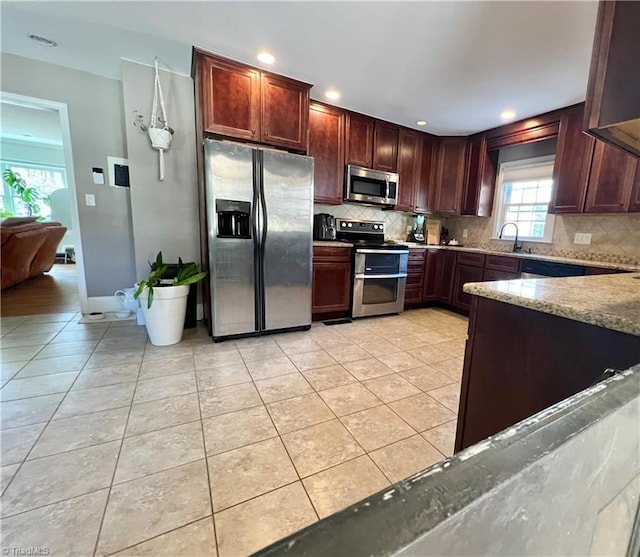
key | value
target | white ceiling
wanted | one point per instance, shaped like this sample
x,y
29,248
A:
x,y
457,65
30,125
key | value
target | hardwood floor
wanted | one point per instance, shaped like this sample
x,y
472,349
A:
x,y
52,292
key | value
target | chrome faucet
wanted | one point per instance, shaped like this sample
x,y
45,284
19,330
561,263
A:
x,y
516,246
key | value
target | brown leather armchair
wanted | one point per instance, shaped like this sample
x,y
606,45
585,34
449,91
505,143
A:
x,y
28,250
46,255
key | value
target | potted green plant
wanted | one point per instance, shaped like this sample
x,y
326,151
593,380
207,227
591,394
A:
x,y
28,196
164,300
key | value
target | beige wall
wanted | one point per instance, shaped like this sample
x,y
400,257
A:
x,y
164,213
97,131
614,237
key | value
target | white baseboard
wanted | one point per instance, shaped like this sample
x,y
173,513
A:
x,y
103,304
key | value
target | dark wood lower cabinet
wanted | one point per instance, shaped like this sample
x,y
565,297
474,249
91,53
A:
x,y
331,291
445,272
493,274
519,361
430,291
415,277
439,275
464,274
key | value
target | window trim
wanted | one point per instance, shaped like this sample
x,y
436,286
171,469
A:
x,y
499,207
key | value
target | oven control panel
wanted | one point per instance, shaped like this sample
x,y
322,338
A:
x,y
354,226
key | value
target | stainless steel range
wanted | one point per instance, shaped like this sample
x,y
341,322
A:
x,y
379,270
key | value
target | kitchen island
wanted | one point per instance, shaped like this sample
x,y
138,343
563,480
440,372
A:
x,y
534,342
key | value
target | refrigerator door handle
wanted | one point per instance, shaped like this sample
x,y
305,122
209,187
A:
x,y
263,238
263,213
257,240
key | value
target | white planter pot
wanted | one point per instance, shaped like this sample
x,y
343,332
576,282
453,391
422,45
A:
x,y
160,138
165,318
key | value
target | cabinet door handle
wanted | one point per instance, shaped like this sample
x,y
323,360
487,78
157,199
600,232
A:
x,y
253,132
266,134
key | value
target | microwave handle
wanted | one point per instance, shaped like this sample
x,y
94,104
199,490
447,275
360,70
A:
x,y
386,179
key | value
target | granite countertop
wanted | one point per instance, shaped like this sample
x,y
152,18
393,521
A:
x,y
535,256
609,301
331,244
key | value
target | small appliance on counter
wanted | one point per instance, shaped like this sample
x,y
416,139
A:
x,y
417,232
444,236
324,227
433,231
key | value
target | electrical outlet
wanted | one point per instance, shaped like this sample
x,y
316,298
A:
x,y
465,233
582,238
90,200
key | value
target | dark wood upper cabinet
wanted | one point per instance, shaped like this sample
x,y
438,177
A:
x,y
409,168
572,164
538,128
634,204
326,146
239,101
480,180
285,112
613,108
425,191
450,175
230,96
359,140
385,146
610,181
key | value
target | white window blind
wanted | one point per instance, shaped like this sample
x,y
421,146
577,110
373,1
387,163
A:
x,y
524,193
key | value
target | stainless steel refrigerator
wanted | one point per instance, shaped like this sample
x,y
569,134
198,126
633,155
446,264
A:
x,y
260,217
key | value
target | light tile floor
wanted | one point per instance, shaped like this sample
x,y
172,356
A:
x,y
113,446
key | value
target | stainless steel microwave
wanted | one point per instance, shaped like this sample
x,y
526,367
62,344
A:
x,y
363,185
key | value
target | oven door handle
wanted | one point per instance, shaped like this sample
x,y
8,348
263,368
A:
x,y
382,251
362,276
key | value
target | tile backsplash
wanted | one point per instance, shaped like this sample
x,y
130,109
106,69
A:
x,y
614,238
395,222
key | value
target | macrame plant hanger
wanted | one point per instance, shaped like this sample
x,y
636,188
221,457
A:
x,y
160,136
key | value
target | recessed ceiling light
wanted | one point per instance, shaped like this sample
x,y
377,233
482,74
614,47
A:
x,y
266,57
43,41
508,114
332,94
421,123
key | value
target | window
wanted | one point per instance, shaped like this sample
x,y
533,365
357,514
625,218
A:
x,y
523,196
45,179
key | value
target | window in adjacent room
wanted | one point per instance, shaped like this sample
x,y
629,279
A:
x,y
522,196
45,179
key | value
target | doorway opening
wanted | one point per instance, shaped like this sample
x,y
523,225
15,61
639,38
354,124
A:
x,y
42,265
